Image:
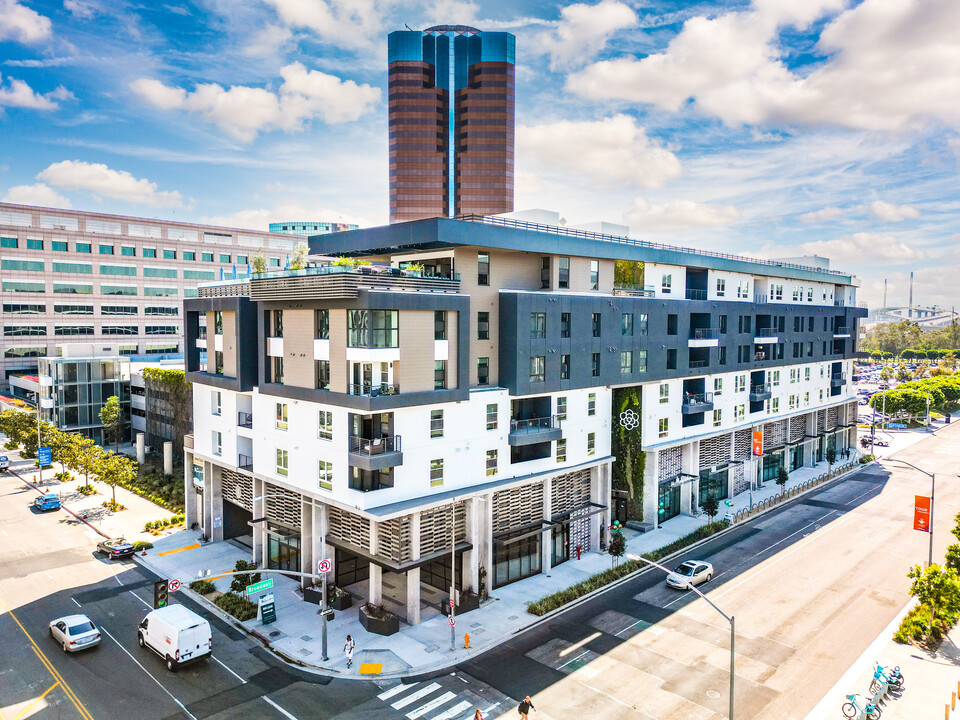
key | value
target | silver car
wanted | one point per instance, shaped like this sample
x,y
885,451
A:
x,y
75,632
692,572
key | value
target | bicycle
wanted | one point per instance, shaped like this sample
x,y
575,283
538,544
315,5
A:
x,y
852,709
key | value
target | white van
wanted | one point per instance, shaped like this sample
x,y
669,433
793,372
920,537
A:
x,y
176,634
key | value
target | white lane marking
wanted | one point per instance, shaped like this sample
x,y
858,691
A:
x,y
24,552
454,711
140,599
172,697
617,634
279,709
396,690
76,603
574,659
219,662
412,698
432,705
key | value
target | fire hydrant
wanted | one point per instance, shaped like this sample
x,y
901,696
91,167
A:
x,y
466,641
579,548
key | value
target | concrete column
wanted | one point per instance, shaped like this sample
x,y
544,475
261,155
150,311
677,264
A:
x,y
810,446
214,530
141,448
413,575
486,510
689,491
192,500
168,458
651,488
601,493
318,515
472,559
376,572
260,528
546,555
308,563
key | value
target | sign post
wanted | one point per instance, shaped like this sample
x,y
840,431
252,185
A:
x,y
173,585
323,567
921,513
43,458
267,609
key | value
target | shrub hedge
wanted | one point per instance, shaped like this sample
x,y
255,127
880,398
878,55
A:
x,y
140,545
237,605
202,587
553,601
915,626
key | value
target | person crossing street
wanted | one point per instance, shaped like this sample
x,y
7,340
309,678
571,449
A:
x,y
348,649
525,707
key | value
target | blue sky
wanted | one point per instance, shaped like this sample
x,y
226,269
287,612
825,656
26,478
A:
x,y
772,127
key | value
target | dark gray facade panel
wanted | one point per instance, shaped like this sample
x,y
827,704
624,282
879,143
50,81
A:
x,y
246,363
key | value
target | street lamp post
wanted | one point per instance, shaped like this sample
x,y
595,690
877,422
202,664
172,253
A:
x,y
728,618
933,489
453,574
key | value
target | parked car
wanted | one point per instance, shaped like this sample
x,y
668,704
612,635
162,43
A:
x,y
177,635
47,501
115,548
4,463
75,632
692,572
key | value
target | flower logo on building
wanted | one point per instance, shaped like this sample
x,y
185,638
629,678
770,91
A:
x,y
629,420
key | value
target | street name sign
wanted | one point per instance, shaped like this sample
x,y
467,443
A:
x,y
260,586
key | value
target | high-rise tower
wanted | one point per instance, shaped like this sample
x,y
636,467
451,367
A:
x,y
450,158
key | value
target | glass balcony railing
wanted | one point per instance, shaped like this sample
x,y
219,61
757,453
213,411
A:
x,y
704,333
375,446
245,462
694,294
245,419
533,425
373,389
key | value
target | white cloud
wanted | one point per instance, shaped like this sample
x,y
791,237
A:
x,y
260,218
21,24
677,215
83,9
269,41
888,212
99,179
615,150
820,216
583,32
16,93
864,247
342,23
38,194
243,111
892,64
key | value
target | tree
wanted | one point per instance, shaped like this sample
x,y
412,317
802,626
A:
x,y
299,259
259,262
111,415
89,457
617,548
711,506
782,478
831,456
939,589
886,373
116,470
240,582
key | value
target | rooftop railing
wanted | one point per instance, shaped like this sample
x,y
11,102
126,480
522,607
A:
x,y
635,290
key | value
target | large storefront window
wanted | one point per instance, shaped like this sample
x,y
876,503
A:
x,y
437,574
796,457
668,505
351,568
772,462
713,484
819,449
283,550
516,556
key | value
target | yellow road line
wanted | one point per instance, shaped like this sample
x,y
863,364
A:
x,y
50,668
171,552
27,708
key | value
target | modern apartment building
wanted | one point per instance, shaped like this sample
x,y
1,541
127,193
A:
x,y
451,121
458,394
310,227
109,283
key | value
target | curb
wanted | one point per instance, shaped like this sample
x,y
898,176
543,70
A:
x,y
34,487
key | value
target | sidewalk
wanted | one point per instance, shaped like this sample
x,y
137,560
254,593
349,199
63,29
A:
x,y
419,648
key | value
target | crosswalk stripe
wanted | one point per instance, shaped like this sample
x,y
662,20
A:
x,y
413,697
396,690
432,705
454,711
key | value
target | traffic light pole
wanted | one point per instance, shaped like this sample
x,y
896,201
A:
x,y
323,606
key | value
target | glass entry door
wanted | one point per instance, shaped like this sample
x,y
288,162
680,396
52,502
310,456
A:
x,y
669,502
559,543
771,464
712,485
283,550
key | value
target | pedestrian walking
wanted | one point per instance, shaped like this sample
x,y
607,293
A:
x,y
348,649
525,707
478,715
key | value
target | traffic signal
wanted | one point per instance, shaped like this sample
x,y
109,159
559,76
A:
x,y
160,594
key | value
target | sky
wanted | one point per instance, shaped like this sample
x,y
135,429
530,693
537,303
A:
x,y
770,128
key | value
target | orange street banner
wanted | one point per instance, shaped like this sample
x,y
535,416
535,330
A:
x,y
758,442
921,513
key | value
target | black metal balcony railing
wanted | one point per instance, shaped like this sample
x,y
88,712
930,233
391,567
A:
x,y
533,425
375,446
760,392
838,379
765,332
760,356
694,294
636,290
697,398
841,330
704,333
760,299
694,364
245,419
245,462
374,389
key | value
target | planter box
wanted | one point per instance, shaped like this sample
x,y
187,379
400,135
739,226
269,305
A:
x,y
314,595
468,602
386,626
344,601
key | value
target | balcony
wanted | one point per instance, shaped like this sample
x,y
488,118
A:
x,y
697,403
633,290
694,294
760,392
704,337
697,364
244,419
758,356
375,453
339,282
760,299
838,379
373,389
841,331
534,430
245,462
766,336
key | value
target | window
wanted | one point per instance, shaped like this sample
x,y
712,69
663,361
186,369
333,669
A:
x,y
156,292
58,246
740,382
278,370
439,325
591,443
72,330
106,249
224,258
34,244
672,324
148,252
20,309
721,287
217,322
82,247
776,378
641,361
595,364
775,405
373,328
717,386
67,267
153,272
564,367
739,412
626,324
743,289
592,404
723,355
325,424
119,330
323,324
325,475
274,262
241,259
483,371
666,283
283,462
664,392
626,362
24,330
281,416
128,250
538,325
198,275
169,254
436,472
563,280
483,326
537,368
491,462
162,330
206,257
595,324
561,408
717,417
794,296
806,374
483,268
776,292
642,324
22,265
562,450
216,402
439,374
565,325
545,273
217,443
218,362
594,274
112,309
8,242
806,398
189,255
436,423
492,416
663,427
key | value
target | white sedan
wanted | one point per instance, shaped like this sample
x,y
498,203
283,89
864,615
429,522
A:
x,y
692,572
75,632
